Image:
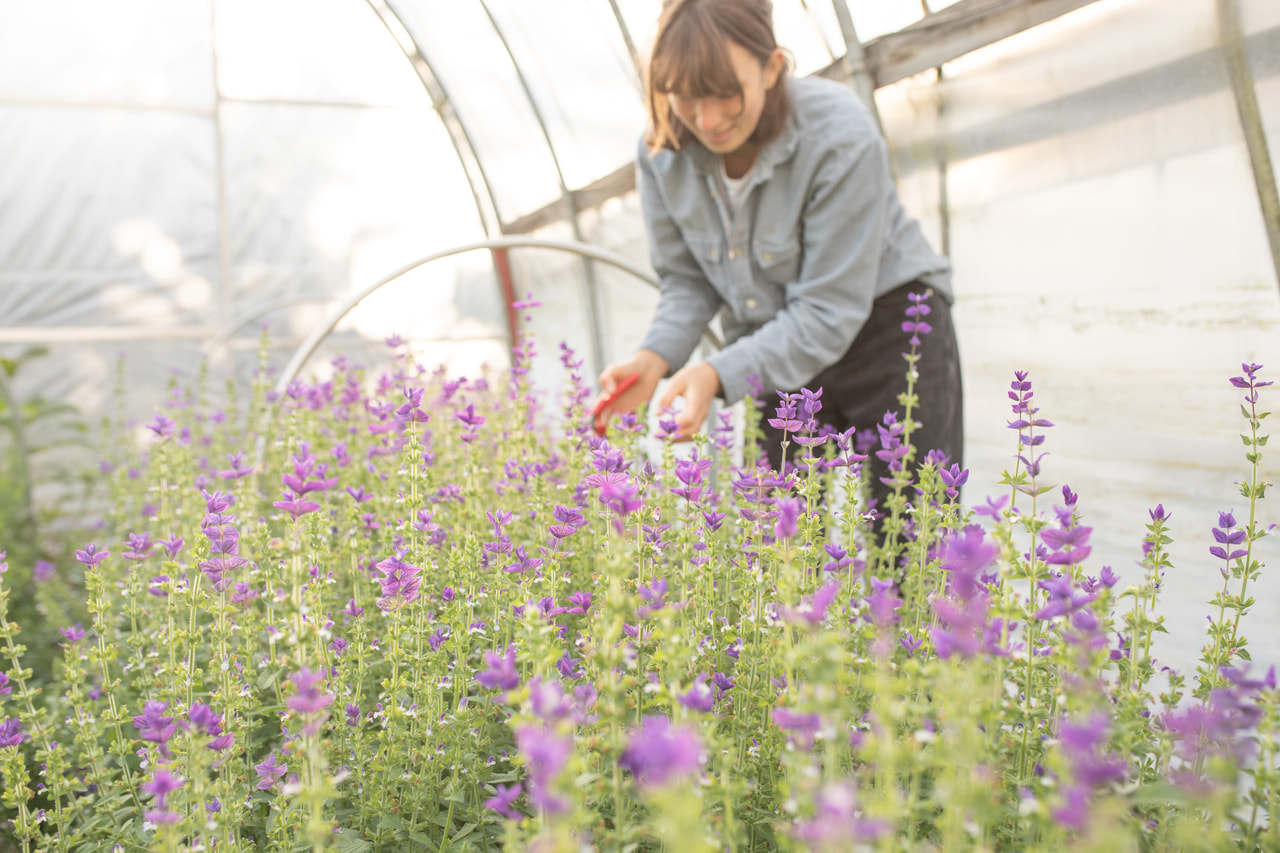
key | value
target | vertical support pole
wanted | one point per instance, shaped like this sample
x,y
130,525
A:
x,y
502,263
472,168
592,286
636,62
855,59
226,306
940,152
1255,137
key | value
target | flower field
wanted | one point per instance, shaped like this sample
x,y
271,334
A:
x,y
396,611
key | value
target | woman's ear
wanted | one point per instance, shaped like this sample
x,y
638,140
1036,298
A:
x,y
773,67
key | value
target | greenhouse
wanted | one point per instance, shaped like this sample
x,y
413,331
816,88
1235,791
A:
x,y
312,538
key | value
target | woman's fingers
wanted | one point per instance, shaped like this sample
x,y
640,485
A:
x,y
698,386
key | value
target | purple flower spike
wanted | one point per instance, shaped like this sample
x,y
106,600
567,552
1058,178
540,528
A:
x,y
1080,741
310,701
911,644
154,726
295,504
953,478
91,556
787,420
161,786
11,733
883,604
400,583
237,470
545,753
789,510
501,674
659,754
173,546
162,426
1074,811
138,546
204,720
1070,546
801,728
581,602
667,426
1250,382
1026,423
812,611
699,697
837,823
1226,535
269,772
915,326
622,499
243,594
502,799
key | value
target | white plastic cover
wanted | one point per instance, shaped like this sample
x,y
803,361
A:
x,y
1107,237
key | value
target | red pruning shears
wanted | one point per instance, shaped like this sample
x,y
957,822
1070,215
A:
x,y
605,402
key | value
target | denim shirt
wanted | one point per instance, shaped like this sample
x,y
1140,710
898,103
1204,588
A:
x,y
819,237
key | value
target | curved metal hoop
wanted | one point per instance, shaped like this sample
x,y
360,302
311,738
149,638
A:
x,y
308,346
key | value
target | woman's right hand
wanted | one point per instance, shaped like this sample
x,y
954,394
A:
x,y
648,365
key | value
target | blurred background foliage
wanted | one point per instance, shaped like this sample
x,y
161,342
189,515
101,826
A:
x,y
48,480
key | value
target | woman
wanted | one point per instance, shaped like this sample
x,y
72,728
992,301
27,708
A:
x,y
768,199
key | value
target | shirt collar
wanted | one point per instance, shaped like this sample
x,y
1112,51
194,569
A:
x,y
777,150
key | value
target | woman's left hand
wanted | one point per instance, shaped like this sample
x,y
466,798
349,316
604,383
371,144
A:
x,y
698,384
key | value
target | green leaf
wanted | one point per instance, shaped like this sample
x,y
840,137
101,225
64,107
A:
x,y
348,841
1244,653
268,679
1159,793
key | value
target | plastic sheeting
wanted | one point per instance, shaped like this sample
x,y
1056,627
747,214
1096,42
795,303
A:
x,y
140,200
1107,237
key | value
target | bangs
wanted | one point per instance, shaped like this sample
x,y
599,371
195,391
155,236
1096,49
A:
x,y
691,60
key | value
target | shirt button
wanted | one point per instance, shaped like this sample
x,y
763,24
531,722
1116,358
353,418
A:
x,y
751,304
733,253
766,257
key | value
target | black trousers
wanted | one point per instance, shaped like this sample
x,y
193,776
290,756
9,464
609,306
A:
x,y
866,381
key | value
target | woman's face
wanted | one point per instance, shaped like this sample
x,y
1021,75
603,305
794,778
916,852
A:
x,y
724,125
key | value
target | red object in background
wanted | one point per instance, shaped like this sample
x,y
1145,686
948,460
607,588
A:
x,y
503,265
623,387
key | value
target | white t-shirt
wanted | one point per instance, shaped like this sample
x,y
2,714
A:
x,y
735,193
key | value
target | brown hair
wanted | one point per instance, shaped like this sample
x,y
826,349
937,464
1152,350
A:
x,y
691,58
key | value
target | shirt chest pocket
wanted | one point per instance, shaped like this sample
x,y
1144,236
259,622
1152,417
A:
x,y
778,261
708,251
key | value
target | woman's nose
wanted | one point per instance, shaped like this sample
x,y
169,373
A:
x,y
709,114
